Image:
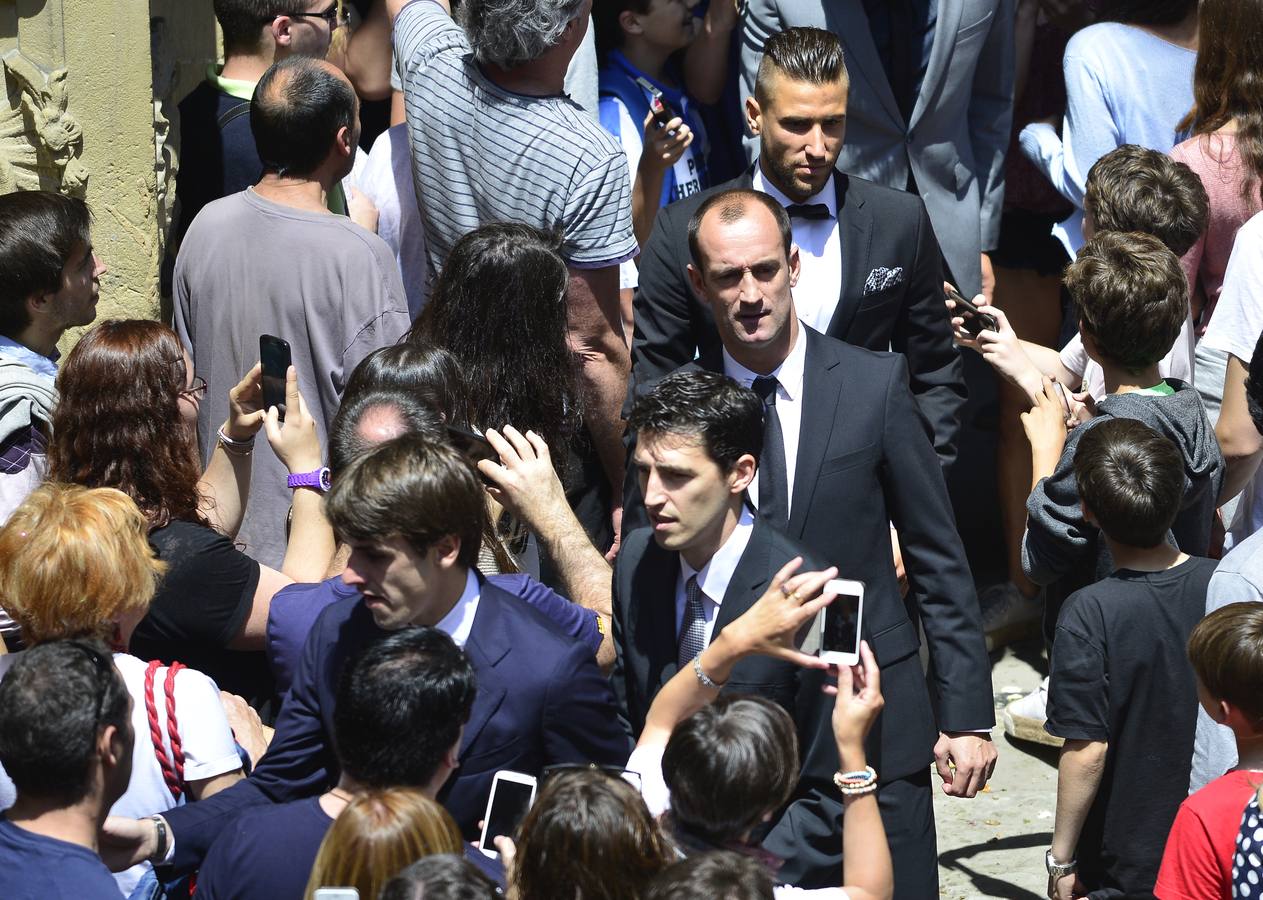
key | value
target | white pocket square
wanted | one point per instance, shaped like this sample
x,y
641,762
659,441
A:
x,y
881,278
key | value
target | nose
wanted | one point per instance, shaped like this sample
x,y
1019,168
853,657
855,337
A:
x,y
351,575
815,143
652,491
98,267
749,286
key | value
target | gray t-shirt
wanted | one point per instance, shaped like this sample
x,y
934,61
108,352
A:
x,y
481,154
1238,579
249,266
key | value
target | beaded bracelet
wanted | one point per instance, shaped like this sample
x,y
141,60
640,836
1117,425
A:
x,y
853,783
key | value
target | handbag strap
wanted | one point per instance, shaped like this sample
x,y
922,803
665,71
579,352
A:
x,y
172,764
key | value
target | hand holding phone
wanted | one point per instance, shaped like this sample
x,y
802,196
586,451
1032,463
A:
x,y
658,105
512,794
975,320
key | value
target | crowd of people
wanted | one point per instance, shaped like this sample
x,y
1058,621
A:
x,y
621,337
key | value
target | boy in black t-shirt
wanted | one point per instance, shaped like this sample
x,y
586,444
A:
x,y
1122,692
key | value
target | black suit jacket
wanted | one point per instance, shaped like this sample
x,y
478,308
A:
x,y
541,700
880,228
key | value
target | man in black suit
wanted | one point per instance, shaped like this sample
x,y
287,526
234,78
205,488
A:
x,y
872,269
844,455
413,512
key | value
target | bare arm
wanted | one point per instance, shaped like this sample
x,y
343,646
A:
x,y
706,60
225,484
596,334
1079,771
1240,441
526,484
661,148
208,787
366,60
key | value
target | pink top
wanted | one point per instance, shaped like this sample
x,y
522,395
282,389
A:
x,y
1214,158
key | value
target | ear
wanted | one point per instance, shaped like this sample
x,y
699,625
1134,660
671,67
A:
x,y
342,141
697,283
447,551
112,747
754,115
630,22
742,473
795,265
1087,513
39,304
281,30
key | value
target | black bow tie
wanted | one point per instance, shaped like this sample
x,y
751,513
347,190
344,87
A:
x,y
817,211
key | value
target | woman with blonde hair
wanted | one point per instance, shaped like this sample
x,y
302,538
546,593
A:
x,y
380,833
76,563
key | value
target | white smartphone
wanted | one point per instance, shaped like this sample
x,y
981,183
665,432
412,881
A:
x,y
512,794
336,894
840,631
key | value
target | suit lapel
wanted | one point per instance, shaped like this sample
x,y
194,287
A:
x,y
822,392
489,642
846,19
949,13
653,630
855,222
748,579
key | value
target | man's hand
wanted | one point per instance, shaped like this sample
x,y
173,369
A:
x,y
1045,425
988,278
964,761
1066,887
247,728
524,481
361,211
616,521
124,842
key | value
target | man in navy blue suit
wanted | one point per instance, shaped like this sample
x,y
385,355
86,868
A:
x,y
412,511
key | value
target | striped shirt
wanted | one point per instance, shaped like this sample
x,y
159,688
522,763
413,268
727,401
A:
x,y
481,154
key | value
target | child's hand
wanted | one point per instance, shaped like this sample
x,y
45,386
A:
x,y
664,145
1001,348
1045,426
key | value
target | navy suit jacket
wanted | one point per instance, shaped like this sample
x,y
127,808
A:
x,y
541,700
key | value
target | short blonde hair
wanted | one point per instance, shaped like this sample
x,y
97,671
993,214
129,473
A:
x,y
73,560
380,833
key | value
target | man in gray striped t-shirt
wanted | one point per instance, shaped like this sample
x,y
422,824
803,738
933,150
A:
x,y
494,139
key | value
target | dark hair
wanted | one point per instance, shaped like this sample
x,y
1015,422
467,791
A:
x,y
444,876
813,55
1227,80
417,367
1254,386
721,875
733,205
117,422
54,701
1132,479
412,487
299,104
242,21
400,708
725,417
588,837
607,30
413,414
1133,188
1131,296
1145,12
499,307
730,764
39,231
1226,649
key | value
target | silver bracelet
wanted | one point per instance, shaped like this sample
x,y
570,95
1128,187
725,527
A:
x,y
243,448
705,679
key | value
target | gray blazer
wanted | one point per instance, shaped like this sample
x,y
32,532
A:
x,y
956,140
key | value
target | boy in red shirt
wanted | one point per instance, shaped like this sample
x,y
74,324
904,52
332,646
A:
x,y
1226,649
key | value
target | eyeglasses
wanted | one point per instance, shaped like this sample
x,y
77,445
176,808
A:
x,y
330,15
632,778
198,389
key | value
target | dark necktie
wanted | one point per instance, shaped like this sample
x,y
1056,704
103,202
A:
x,y
773,480
693,626
817,211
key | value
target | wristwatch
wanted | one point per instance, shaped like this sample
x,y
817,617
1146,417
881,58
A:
x,y
317,478
1056,869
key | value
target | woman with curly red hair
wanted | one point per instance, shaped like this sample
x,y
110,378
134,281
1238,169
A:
x,y
127,419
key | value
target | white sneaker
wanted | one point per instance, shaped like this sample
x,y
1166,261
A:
x,y
1024,718
1007,615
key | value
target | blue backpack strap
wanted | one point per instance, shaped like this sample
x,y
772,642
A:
x,y
617,82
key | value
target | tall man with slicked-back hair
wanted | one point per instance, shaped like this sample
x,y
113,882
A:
x,y
273,260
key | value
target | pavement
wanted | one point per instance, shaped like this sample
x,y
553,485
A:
x,y
993,845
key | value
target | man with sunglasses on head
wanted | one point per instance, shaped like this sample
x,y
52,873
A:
x,y
217,152
66,742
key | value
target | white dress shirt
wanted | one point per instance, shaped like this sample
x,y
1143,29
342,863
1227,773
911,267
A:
x,y
819,253
789,407
713,577
459,621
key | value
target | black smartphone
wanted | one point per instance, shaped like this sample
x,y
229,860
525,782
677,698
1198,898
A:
x,y
275,356
975,319
472,444
662,111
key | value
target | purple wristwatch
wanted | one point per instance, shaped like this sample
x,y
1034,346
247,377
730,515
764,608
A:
x,y
318,479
